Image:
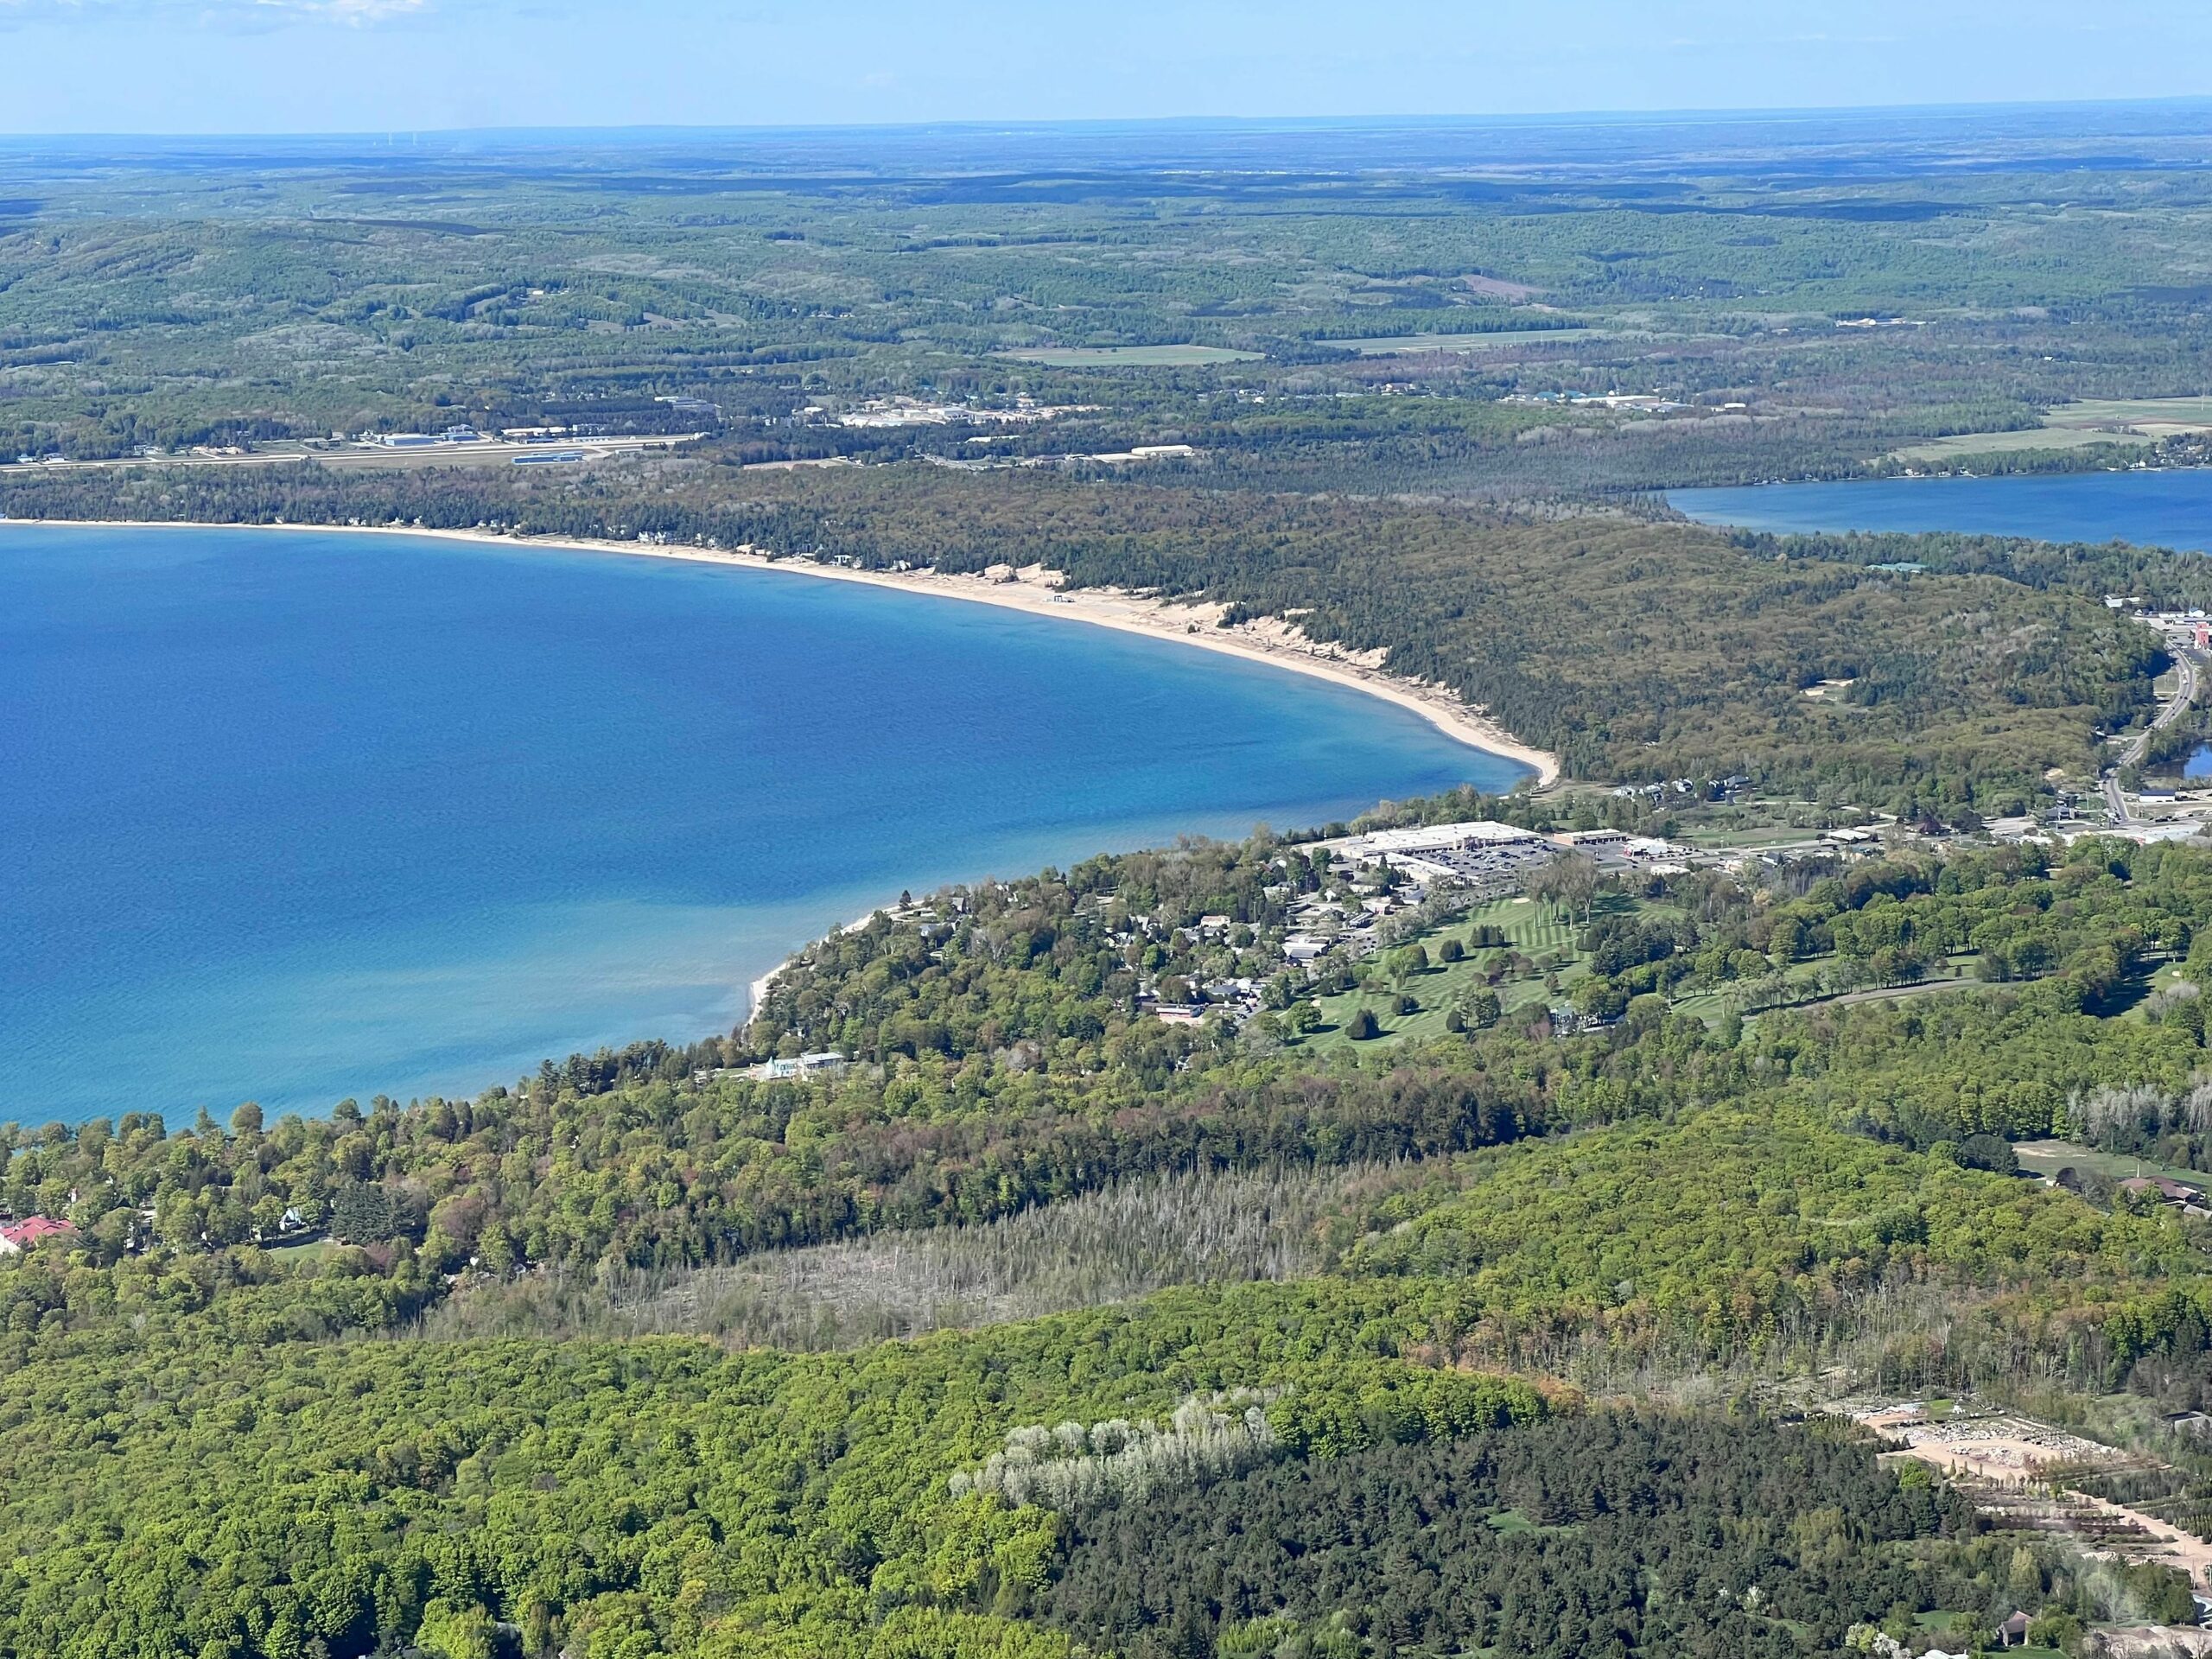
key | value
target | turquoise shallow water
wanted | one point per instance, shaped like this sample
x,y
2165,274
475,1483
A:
x,y
290,816
2158,509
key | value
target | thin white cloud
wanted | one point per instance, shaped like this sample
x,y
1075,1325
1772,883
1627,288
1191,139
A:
x,y
210,11
352,11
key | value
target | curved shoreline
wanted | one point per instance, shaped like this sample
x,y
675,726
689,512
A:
x,y
1100,607
1125,613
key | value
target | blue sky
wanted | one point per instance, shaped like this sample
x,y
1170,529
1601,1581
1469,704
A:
x,y
370,66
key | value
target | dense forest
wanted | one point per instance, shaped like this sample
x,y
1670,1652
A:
x,y
1606,1535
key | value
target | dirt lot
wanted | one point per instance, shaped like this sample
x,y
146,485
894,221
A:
x,y
2010,1466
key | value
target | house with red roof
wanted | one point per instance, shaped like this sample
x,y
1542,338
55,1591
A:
x,y
25,1234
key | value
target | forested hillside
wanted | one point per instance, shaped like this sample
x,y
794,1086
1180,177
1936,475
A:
x,y
425,1407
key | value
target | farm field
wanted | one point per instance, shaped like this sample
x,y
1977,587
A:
x,y
2193,414
1410,345
2052,438
1132,357
2079,425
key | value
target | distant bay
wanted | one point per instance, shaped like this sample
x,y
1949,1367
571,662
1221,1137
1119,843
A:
x,y
2153,508
296,816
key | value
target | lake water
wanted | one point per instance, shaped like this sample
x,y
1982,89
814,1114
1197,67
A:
x,y
293,815
2158,509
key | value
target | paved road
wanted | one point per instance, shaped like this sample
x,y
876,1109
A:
x,y
2116,802
2186,668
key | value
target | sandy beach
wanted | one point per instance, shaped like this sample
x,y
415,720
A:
x,y
756,992
1036,591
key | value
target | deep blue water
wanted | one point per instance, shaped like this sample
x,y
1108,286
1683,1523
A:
x,y
2159,509
290,816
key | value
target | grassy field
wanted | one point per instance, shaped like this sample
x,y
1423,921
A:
x,y
1770,834
1944,1623
1956,973
1531,928
1132,357
1510,1524
1713,1006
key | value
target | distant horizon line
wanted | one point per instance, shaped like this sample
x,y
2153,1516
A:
x,y
984,125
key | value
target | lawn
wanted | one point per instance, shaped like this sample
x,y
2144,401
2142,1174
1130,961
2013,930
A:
x,y
1956,974
1535,930
2164,977
1943,1624
298,1255
1511,1524
1713,1006
1767,834
1132,357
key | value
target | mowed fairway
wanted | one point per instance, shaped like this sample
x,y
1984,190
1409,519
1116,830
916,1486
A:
x,y
2049,1157
1529,927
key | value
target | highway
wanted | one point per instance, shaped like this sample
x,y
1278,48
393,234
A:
x,y
2186,668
